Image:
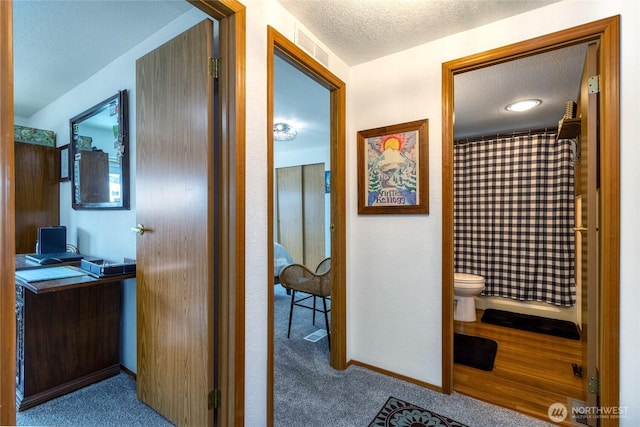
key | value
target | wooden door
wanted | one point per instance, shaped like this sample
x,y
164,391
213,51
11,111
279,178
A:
x,y
587,191
175,204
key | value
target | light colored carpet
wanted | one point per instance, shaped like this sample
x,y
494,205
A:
x,y
111,402
309,393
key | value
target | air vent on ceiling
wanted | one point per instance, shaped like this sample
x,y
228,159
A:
x,y
306,42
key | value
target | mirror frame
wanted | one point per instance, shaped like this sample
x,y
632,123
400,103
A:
x,y
123,139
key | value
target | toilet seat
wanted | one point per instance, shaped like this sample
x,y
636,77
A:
x,y
465,288
467,280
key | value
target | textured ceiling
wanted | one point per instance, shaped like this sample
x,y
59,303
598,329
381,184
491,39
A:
x,y
481,95
361,30
58,44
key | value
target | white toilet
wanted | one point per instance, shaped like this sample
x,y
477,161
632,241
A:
x,y
465,288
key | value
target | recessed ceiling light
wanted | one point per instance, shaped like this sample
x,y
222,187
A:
x,y
284,132
525,105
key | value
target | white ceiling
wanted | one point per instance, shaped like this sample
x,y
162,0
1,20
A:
x,y
361,30
58,44
480,96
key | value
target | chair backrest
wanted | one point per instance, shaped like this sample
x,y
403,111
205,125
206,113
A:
x,y
300,278
324,266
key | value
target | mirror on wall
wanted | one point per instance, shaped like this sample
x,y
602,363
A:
x,y
100,155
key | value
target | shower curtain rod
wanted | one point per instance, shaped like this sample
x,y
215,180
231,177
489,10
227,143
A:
x,y
505,135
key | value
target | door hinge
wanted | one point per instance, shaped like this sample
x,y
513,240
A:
x,y
215,67
594,84
214,399
594,385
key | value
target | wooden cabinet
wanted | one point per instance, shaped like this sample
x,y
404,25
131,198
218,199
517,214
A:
x,y
37,197
67,335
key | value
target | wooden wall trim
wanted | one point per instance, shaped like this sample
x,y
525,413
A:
x,y
610,218
270,229
231,324
607,32
7,223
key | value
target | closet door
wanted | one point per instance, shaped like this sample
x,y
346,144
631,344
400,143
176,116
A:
x,y
313,196
300,215
37,192
175,204
290,213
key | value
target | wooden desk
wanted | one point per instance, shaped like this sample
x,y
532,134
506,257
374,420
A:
x,y
68,334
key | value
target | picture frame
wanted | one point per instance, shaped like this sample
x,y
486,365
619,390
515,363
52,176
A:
x,y
327,182
64,173
393,168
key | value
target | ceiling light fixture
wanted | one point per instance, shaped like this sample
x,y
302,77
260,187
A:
x,y
523,105
283,132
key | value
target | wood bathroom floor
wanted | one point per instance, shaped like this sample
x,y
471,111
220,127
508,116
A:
x,y
531,370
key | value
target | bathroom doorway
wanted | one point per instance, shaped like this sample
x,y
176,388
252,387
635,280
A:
x,y
605,33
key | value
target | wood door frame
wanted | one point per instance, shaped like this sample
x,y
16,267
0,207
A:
x,y
607,32
276,42
232,17
7,222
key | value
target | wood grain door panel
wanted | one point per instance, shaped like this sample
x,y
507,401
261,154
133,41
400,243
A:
x,y
588,178
175,255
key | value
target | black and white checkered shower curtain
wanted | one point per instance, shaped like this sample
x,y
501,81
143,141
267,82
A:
x,y
514,216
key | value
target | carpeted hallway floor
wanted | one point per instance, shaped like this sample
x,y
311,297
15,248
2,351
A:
x,y
308,393
109,403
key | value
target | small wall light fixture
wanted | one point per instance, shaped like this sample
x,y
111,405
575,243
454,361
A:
x,y
525,105
283,132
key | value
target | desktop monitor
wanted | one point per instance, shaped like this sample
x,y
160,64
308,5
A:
x,y
52,239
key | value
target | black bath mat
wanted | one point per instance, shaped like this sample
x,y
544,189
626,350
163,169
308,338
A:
x,y
479,353
527,322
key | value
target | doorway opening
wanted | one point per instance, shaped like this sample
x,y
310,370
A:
x,y
232,18
281,49
606,33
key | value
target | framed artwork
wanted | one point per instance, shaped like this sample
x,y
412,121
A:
x,y
393,168
327,181
65,165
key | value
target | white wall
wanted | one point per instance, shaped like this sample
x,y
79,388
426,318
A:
x,y
403,271
107,234
406,272
260,13
395,261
